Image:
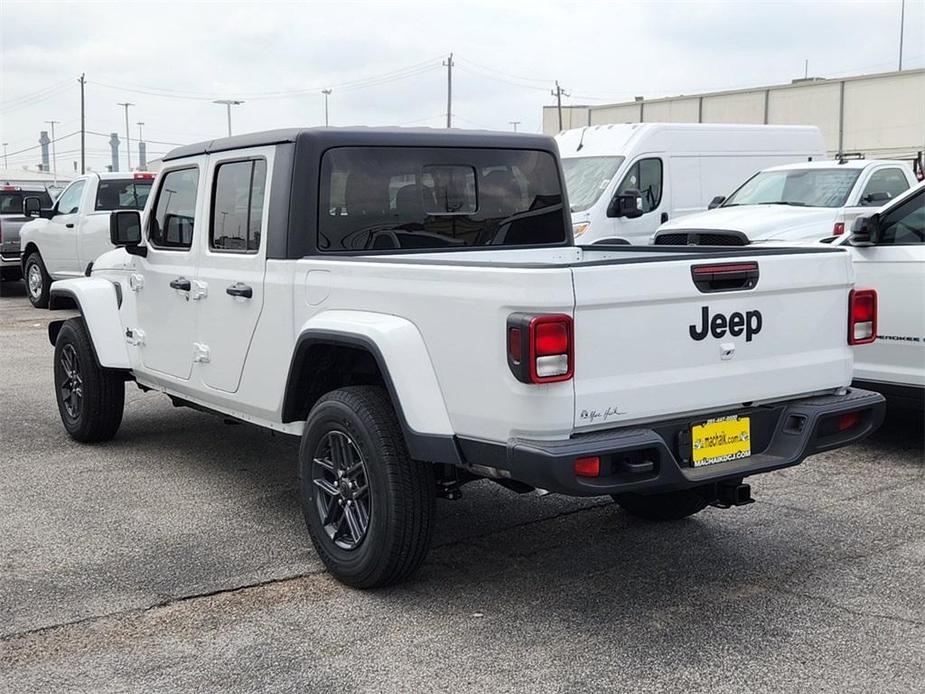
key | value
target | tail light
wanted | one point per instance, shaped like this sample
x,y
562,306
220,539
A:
x,y
540,348
838,229
862,316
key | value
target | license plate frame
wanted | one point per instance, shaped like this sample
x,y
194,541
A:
x,y
720,440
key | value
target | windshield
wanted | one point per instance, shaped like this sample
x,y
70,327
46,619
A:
x,y
385,198
122,194
11,203
587,177
798,187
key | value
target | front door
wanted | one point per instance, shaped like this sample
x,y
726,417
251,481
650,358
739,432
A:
x,y
232,264
166,286
59,237
647,175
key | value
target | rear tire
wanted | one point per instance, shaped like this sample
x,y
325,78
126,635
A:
x,y
37,280
90,398
668,506
369,508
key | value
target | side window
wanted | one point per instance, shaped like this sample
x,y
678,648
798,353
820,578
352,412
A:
x,y
237,205
904,225
69,202
883,186
174,215
646,177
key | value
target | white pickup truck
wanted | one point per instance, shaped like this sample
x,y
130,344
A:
x,y
412,304
70,234
809,201
888,249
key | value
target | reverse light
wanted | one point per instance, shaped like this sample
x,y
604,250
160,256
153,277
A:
x,y
862,316
540,347
838,229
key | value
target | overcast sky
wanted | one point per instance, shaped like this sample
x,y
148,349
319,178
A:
x,y
383,60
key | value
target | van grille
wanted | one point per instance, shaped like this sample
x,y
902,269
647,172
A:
x,y
702,238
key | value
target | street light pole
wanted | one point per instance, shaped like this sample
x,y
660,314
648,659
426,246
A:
x,y
5,165
327,93
902,26
128,141
228,103
515,123
54,151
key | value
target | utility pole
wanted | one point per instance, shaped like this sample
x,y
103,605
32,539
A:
x,y
448,63
228,103
5,165
128,140
558,92
83,126
902,23
54,153
515,123
327,93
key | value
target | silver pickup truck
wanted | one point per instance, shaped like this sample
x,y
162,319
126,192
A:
x,y
12,218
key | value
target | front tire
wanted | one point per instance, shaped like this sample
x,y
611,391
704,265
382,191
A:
x,y
37,280
90,398
369,508
668,506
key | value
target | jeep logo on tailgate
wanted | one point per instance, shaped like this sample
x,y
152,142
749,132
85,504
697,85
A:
x,y
719,325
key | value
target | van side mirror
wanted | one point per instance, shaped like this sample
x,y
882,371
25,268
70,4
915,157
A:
x,y
125,230
627,204
32,206
716,202
865,231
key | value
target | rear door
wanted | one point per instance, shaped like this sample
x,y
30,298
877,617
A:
x,y
650,344
881,185
232,263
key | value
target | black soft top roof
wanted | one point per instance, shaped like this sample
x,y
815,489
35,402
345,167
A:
x,y
322,138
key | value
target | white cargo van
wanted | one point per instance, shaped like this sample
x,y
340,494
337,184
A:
x,y
677,169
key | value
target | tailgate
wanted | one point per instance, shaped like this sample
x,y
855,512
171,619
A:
x,y
642,351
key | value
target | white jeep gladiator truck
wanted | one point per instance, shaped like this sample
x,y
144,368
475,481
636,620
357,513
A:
x,y
411,303
71,233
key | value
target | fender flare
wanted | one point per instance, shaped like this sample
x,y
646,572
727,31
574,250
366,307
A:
x,y
98,301
399,351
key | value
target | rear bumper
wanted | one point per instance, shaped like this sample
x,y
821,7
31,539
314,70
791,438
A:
x,y
657,458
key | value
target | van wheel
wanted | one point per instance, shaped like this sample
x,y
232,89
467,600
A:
x,y
37,280
369,508
90,398
669,506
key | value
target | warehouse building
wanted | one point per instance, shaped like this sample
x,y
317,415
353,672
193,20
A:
x,y
877,116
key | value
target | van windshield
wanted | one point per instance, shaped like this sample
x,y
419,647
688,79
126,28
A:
x,y
586,178
390,198
796,187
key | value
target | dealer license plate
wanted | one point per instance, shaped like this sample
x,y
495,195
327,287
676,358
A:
x,y
720,440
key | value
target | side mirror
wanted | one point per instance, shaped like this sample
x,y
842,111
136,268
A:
x,y
865,231
716,202
32,207
875,199
125,230
628,204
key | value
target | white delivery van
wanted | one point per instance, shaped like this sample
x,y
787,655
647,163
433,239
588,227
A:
x,y
677,169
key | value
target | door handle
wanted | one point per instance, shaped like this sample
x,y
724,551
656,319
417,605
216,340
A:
x,y
181,283
70,225
239,289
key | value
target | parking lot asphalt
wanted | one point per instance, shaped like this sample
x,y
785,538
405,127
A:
x,y
175,558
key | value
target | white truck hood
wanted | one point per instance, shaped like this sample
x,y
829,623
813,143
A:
x,y
762,222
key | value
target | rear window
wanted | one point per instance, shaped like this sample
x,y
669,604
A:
x,y
391,198
12,203
122,194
